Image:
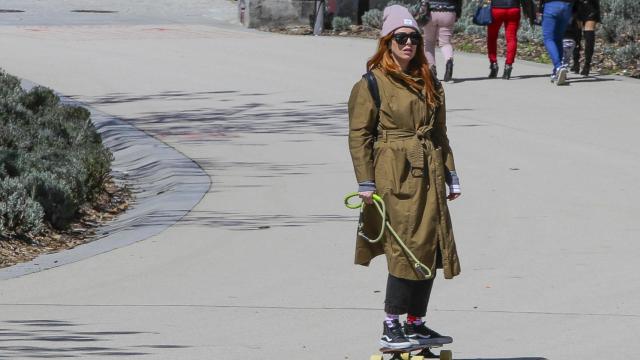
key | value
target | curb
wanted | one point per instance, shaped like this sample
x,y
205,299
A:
x,y
166,184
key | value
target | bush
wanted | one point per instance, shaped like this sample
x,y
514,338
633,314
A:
x,y
412,6
53,150
465,24
529,34
341,23
372,19
58,199
627,56
19,214
620,21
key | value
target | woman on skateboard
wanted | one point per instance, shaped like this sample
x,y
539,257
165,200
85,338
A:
x,y
401,152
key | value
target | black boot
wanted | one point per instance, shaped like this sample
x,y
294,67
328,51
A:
x,y
589,44
434,71
494,70
575,68
506,74
448,72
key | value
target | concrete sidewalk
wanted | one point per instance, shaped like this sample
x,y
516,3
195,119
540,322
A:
x,y
262,266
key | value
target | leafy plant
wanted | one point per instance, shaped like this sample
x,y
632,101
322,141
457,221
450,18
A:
x,y
52,150
19,214
372,19
341,23
628,55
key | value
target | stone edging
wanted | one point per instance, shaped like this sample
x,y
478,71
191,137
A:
x,y
166,184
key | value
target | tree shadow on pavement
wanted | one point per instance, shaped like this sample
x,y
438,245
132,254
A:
x,y
123,98
245,221
590,79
20,339
211,124
222,119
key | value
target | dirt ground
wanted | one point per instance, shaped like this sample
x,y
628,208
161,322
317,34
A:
x,y
112,202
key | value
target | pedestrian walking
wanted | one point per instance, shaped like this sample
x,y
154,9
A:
x,y
506,12
400,150
556,15
587,13
444,14
569,42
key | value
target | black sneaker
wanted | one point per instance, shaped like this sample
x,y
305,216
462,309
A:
x,y
421,334
393,336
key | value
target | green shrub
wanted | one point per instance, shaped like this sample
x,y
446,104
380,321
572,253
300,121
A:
x,y
39,100
627,56
341,23
412,6
52,149
58,199
465,24
529,34
620,21
372,19
19,214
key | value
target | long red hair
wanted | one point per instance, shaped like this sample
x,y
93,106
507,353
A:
x,y
418,67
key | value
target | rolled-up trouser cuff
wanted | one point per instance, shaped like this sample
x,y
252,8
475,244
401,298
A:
x,y
407,296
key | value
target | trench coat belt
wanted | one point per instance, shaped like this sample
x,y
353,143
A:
x,y
419,140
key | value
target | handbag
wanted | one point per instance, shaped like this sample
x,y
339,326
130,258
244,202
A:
x,y
423,15
482,15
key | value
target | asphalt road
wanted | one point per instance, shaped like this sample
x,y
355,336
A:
x,y
262,267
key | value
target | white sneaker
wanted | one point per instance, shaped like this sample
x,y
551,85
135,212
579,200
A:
x,y
562,76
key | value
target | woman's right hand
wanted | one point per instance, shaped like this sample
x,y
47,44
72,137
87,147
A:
x,y
366,196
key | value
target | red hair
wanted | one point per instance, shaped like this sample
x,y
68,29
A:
x,y
418,67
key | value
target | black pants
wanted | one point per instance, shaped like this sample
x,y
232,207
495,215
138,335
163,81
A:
x,y
407,296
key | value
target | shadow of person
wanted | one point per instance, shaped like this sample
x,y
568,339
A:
x,y
590,79
461,80
518,77
524,77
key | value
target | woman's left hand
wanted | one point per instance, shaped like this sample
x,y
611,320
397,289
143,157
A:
x,y
453,196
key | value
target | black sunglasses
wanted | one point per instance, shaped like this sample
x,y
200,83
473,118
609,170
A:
x,y
401,38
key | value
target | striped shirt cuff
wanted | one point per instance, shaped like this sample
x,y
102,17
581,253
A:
x,y
454,183
366,186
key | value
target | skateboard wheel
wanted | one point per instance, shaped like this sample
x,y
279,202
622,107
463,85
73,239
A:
x,y
405,356
446,355
417,357
375,357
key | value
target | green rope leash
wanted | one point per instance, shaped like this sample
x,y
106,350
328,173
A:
x,y
419,267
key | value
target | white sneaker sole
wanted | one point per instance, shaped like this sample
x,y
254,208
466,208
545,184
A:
x,y
395,345
562,77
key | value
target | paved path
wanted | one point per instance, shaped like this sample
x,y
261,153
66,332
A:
x,y
547,227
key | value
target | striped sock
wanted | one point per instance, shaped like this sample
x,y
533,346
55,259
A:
x,y
414,320
389,319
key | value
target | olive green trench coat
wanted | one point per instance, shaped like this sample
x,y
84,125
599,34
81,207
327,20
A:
x,y
407,161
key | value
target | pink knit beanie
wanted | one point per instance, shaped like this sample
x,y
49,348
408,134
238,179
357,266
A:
x,y
396,16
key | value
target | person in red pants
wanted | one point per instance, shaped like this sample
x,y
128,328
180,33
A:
x,y
506,12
